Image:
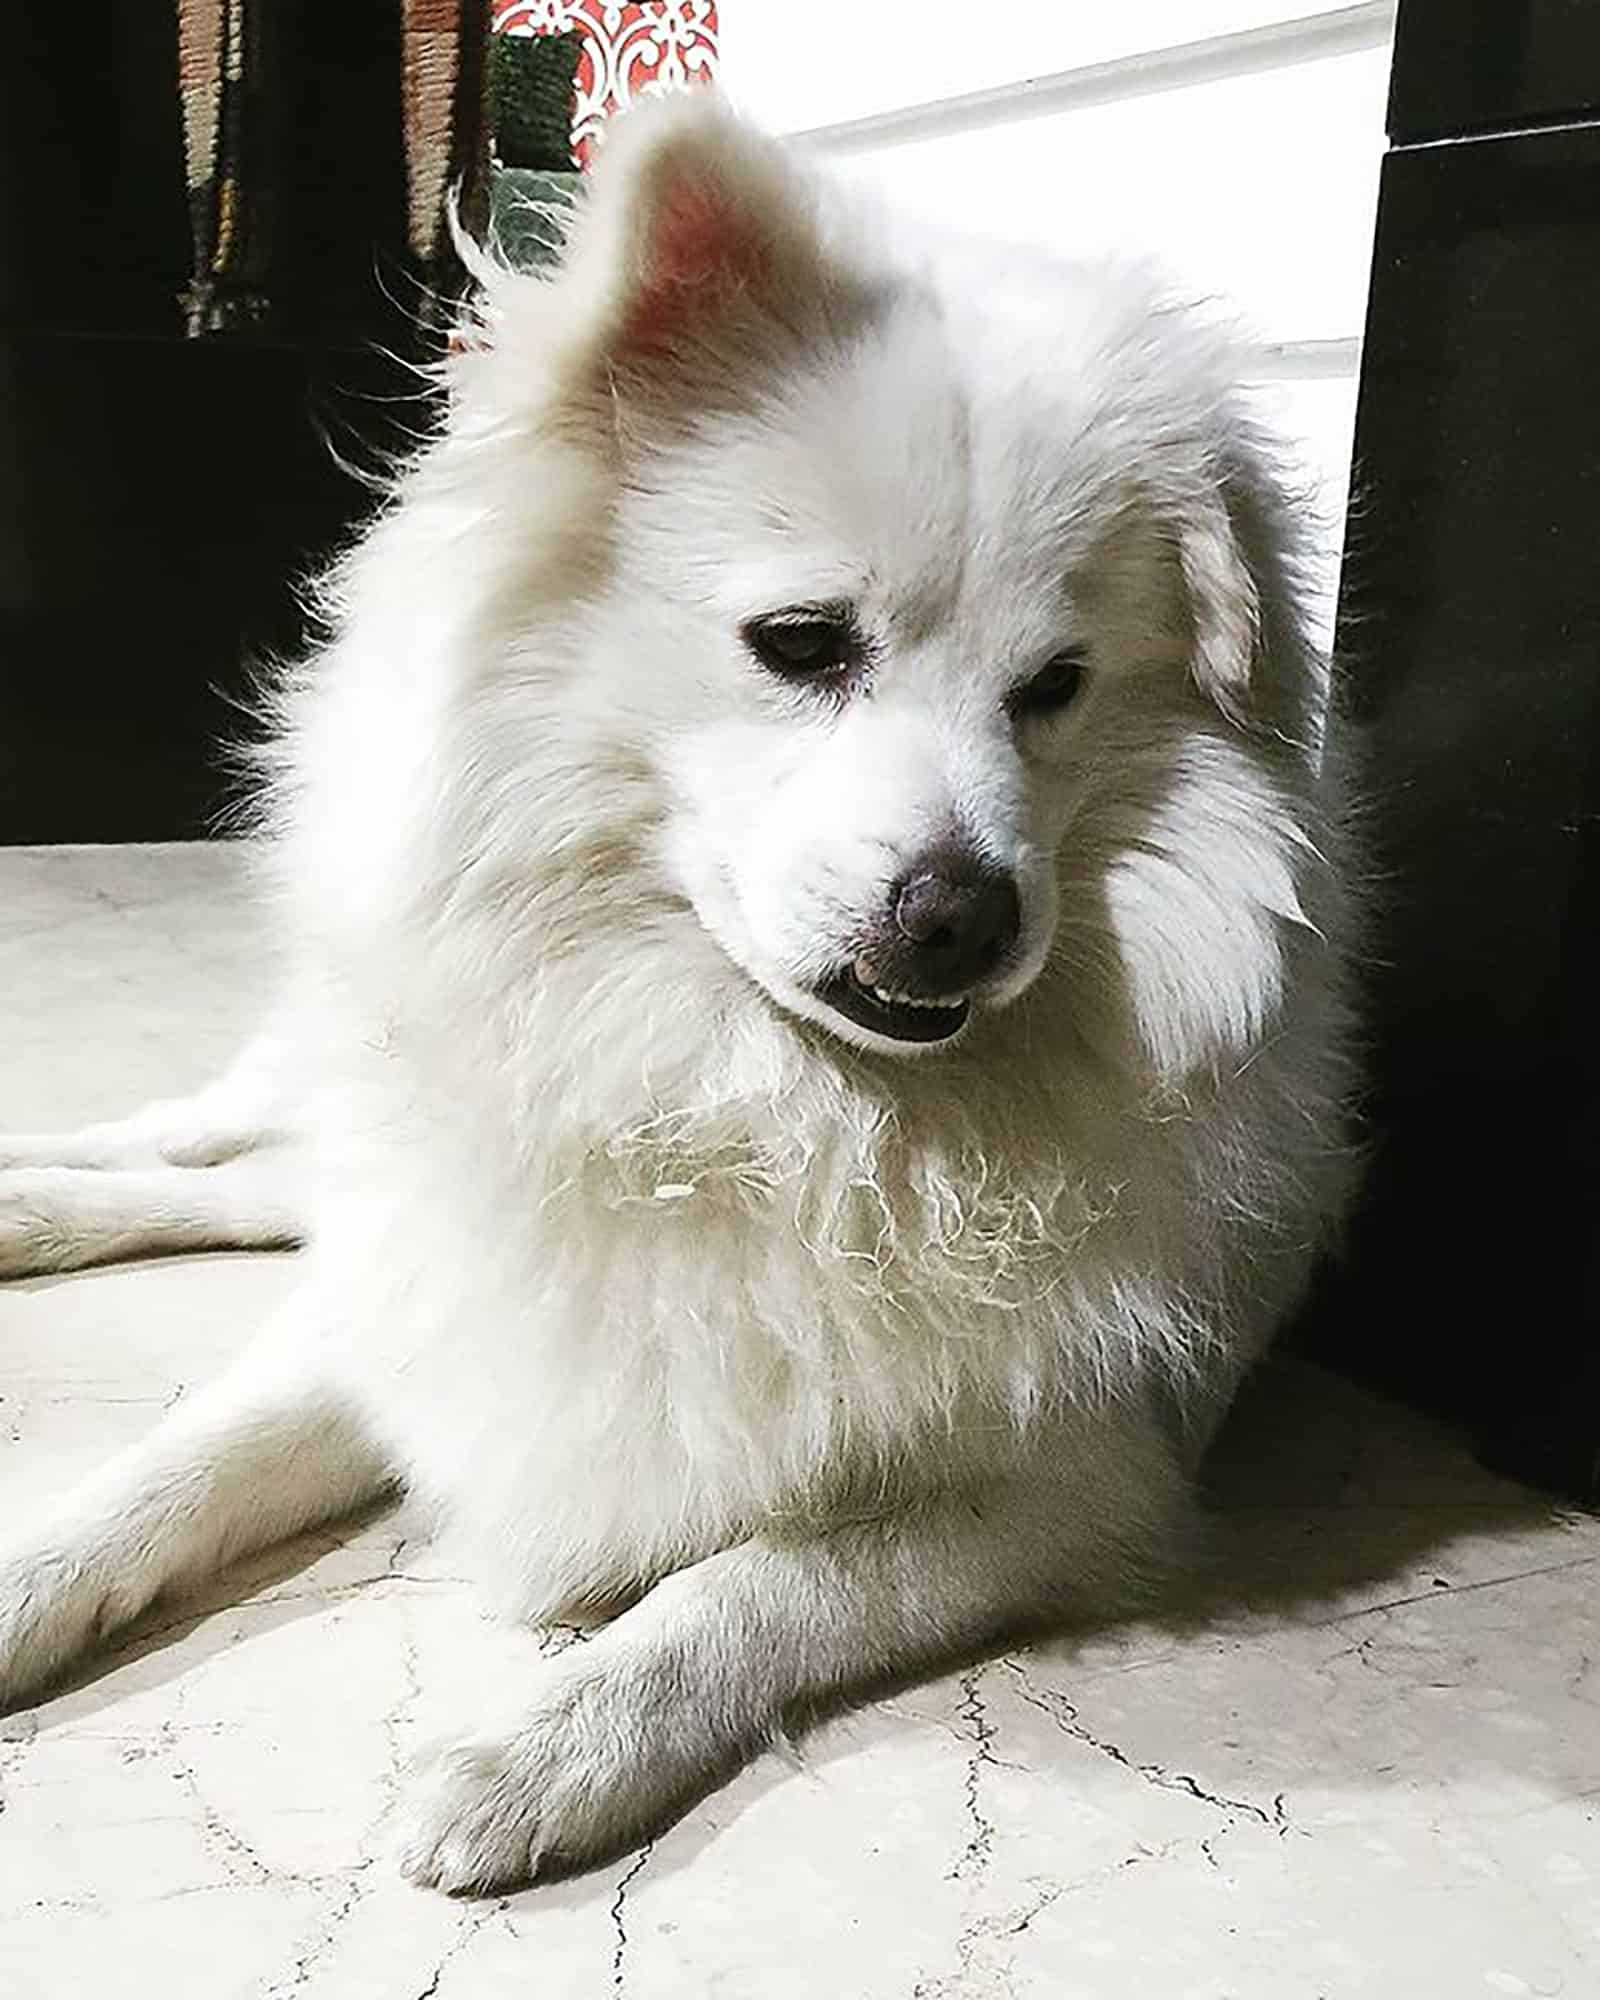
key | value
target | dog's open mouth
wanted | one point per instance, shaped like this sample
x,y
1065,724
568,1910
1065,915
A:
x,y
901,1017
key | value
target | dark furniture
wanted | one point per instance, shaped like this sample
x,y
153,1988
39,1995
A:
x,y
1470,632
160,494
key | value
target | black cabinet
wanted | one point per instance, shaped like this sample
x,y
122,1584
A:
x,y
1470,636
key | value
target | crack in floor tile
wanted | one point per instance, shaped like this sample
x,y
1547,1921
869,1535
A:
x,y
980,1735
619,1904
1064,1714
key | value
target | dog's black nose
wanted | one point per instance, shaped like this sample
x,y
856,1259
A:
x,y
955,918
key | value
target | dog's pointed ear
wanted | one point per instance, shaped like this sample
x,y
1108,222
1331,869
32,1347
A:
x,y
694,228
1224,604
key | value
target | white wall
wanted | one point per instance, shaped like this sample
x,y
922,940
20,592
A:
x,y
1237,140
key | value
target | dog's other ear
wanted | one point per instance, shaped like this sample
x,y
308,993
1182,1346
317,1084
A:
x,y
1245,554
1224,603
696,230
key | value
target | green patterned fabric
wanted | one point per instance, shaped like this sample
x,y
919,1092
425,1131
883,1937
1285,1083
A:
x,y
531,80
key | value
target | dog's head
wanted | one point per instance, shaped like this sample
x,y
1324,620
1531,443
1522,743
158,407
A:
x,y
920,558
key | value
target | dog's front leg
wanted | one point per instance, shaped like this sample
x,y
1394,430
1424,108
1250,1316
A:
x,y
270,1448
627,1731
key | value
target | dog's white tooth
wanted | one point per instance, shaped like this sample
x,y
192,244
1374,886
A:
x,y
888,996
935,1002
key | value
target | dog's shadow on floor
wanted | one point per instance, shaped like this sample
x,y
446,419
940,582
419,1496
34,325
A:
x,y
1318,1491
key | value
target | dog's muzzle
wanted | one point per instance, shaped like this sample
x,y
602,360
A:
x,y
946,926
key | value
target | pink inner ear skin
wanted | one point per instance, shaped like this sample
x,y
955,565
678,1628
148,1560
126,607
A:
x,y
701,248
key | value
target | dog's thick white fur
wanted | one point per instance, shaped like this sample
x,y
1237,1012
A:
x,y
828,1356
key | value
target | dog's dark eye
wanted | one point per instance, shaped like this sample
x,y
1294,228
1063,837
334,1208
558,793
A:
x,y
1052,687
809,643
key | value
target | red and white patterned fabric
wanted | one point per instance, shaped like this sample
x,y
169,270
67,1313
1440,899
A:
x,y
628,50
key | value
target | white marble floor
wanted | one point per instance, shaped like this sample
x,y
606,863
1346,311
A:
x,y
1363,1762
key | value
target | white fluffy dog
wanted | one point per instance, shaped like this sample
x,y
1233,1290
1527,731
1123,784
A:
x,y
817,1012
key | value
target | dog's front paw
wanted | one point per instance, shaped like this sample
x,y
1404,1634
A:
x,y
591,1770
474,1823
